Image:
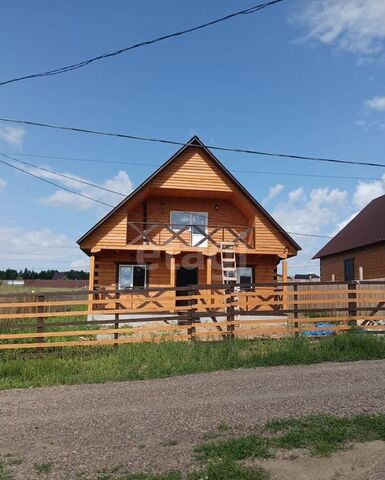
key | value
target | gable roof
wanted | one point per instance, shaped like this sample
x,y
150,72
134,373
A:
x,y
196,142
366,228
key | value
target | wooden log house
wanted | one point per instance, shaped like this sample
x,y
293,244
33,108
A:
x,y
171,231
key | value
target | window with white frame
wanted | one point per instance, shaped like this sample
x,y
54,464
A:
x,y
196,220
131,276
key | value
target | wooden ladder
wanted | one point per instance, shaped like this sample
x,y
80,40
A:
x,y
228,262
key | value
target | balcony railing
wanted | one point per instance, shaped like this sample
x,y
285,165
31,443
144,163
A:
x,y
163,234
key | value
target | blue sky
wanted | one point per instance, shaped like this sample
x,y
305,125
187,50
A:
x,y
303,77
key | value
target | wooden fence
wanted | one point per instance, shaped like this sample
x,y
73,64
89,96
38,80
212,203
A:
x,y
206,312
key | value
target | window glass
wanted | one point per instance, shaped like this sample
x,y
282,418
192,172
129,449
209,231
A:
x,y
139,277
199,222
245,275
179,220
132,276
125,276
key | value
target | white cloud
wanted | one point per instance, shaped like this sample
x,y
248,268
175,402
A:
x,y
37,249
335,197
3,184
315,213
273,192
119,183
296,195
83,264
12,136
353,25
367,191
376,103
309,213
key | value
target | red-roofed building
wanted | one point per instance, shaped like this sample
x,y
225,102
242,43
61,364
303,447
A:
x,y
357,252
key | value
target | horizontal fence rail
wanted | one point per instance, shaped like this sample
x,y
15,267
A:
x,y
203,312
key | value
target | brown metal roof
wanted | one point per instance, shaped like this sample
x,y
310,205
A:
x,y
196,142
366,228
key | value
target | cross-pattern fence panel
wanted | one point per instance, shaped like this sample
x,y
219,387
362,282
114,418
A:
x,y
47,321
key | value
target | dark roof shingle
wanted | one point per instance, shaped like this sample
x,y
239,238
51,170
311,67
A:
x,y
366,228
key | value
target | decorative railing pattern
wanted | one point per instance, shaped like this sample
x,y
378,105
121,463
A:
x,y
163,234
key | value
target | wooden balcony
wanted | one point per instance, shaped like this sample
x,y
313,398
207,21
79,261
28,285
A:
x,y
162,235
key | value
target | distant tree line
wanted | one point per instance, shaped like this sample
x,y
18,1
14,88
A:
x,y
26,274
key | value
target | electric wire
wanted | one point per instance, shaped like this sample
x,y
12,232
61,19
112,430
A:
x,y
54,184
69,177
148,164
183,144
84,63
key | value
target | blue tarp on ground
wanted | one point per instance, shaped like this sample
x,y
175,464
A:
x,y
320,333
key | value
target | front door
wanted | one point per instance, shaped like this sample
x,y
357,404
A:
x,y
349,270
185,277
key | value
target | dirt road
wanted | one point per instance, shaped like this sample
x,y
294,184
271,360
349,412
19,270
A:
x,y
153,425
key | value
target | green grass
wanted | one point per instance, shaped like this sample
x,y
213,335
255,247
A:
x,y
228,470
320,435
24,289
140,476
4,472
43,468
251,446
165,359
221,470
323,435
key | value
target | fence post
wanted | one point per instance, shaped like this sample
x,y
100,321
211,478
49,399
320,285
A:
x,y
352,305
117,316
295,306
230,310
284,286
191,315
40,321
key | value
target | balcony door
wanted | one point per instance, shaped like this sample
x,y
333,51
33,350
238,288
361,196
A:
x,y
197,223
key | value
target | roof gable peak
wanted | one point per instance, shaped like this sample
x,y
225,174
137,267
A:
x,y
195,141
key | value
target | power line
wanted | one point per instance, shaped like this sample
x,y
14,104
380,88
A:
x,y
183,144
64,175
147,164
118,193
84,63
112,206
54,184
80,159
313,175
311,235
108,205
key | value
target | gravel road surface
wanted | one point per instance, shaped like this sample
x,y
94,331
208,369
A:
x,y
153,425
